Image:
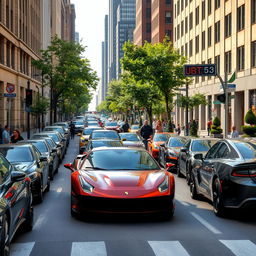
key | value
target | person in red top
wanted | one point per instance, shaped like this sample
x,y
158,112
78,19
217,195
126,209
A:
x,y
209,126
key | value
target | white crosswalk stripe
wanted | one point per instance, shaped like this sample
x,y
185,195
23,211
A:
x,y
240,247
168,248
88,249
21,249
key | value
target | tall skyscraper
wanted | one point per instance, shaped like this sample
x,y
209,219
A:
x,y
106,48
142,31
126,15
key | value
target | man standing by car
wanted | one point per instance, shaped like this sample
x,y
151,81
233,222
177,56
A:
x,y
125,126
72,130
146,131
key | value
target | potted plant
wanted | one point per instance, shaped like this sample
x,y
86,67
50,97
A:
x,y
250,130
216,130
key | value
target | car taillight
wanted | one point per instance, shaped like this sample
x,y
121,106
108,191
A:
x,y
244,173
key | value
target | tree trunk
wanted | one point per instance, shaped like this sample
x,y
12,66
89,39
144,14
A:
x,y
150,114
167,108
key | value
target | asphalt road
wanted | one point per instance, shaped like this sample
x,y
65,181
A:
x,y
194,229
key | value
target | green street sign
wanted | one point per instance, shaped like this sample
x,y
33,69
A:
x,y
216,102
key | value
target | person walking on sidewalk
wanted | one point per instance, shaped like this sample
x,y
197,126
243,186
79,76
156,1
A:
x,y
16,136
72,130
209,126
146,131
6,135
235,133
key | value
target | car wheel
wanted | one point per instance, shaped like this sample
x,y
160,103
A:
x,y
167,215
51,174
4,238
218,206
48,185
28,224
39,196
188,174
192,186
179,174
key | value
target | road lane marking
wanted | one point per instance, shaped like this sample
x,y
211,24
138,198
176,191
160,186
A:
x,y
88,249
206,223
59,190
168,248
240,247
40,221
21,249
183,203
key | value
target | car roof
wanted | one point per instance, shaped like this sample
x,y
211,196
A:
x,y
53,126
118,148
15,145
103,131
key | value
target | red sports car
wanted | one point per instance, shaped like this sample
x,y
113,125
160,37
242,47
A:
x,y
120,180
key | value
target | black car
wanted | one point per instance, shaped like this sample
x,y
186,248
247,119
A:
x,y
170,150
27,158
186,156
226,175
102,143
79,126
104,134
16,200
50,153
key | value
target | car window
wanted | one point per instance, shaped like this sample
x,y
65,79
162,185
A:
x,y
176,142
102,143
40,146
222,151
4,170
107,135
17,154
246,149
201,145
211,153
161,137
129,136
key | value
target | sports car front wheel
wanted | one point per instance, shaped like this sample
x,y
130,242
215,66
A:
x,y
4,238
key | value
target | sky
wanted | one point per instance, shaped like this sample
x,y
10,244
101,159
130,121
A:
x,y
90,16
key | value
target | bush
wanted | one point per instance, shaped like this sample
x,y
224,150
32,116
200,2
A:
x,y
249,130
216,129
250,118
193,129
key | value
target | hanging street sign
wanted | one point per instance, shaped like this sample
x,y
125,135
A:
x,y
10,91
200,70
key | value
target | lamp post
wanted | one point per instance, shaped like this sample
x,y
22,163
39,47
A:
x,y
38,115
28,115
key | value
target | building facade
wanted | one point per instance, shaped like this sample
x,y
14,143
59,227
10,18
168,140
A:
x,y
105,68
126,15
142,31
161,20
218,32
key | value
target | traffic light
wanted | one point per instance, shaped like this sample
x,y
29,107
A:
x,y
28,97
221,98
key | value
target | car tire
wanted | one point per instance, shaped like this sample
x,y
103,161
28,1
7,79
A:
x,y
179,174
167,215
218,207
192,187
188,174
40,196
51,173
48,185
4,238
29,222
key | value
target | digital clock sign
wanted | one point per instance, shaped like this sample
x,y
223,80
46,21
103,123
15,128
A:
x,y
200,70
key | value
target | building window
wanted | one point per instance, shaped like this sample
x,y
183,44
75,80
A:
x,y
217,62
178,31
253,54
148,13
228,25
203,40
2,49
178,7
228,62
209,36
186,3
240,58
240,18
186,25
182,5
182,50
191,20
217,32
168,33
190,47
148,27
197,15
203,77
217,4
253,4
168,1
209,7
197,44
203,10
182,28
197,79
175,11
186,49
168,18
175,34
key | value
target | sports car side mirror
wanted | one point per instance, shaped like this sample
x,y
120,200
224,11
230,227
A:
x,y
162,145
198,156
168,166
183,150
123,139
69,166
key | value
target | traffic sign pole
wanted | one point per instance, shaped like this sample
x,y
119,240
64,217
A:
x,y
226,105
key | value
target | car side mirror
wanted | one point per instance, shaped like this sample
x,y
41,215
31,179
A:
x,y
17,176
183,150
123,139
69,166
54,150
199,156
162,145
43,158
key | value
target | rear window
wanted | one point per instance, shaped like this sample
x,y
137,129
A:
x,y
246,149
102,143
161,137
176,142
107,135
111,124
40,146
130,137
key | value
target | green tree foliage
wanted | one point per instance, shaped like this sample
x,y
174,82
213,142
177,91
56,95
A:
x,y
40,106
216,129
250,118
67,73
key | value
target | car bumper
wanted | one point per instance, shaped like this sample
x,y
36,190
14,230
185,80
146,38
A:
x,y
87,204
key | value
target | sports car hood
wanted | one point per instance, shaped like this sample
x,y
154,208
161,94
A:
x,y
113,182
24,166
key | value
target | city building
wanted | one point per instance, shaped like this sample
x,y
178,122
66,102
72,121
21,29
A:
x,y
106,48
161,20
142,31
77,37
126,15
112,22
217,32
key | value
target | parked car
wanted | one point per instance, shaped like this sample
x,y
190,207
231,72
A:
x,y
120,180
104,134
79,125
131,139
186,156
155,142
84,137
170,150
134,128
16,203
59,129
92,123
226,175
102,143
27,158
112,126
48,152
54,147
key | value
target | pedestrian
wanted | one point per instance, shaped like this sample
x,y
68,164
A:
x,y
1,133
159,127
72,130
125,127
16,136
178,130
235,133
209,126
6,135
146,131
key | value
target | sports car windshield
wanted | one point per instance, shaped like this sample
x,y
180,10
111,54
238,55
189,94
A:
x,y
111,124
104,143
246,149
17,154
89,131
176,142
202,145
161,137
120,160
105,135
129,136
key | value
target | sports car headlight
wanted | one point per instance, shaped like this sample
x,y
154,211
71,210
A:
x,y
87,187
163,187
